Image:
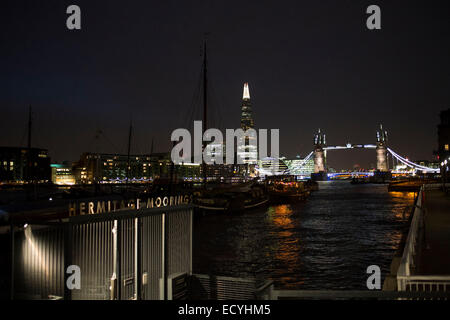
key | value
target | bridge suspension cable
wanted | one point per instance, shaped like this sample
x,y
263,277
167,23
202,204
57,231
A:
x,y
412,164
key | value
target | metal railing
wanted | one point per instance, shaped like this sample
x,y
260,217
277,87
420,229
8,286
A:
x,y
406,279
269,292
409,252
206,287
122,255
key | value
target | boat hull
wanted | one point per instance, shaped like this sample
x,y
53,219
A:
x,y
232,202
278,198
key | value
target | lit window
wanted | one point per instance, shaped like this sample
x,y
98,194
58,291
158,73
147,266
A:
x,y
446,147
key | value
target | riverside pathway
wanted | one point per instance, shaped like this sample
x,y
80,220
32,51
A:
x,y
434,256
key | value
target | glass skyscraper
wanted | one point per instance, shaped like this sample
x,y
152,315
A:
x,y
248,151
246,110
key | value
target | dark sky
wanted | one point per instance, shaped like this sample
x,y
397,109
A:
x,y
309,64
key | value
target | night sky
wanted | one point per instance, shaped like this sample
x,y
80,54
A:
x,y
309,64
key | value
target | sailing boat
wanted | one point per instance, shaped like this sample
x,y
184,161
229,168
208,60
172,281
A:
x,y
224,198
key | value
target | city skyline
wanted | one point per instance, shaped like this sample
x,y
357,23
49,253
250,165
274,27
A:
x,y
207,151
302,72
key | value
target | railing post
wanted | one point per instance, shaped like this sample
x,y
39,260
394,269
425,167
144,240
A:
x,y
272,295
67,241
13,256
137,258
191,217
399,284
164,258
115,279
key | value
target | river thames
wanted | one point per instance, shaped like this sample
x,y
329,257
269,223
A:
x,y
326,242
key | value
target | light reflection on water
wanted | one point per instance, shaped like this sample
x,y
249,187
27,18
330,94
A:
x,y
326,242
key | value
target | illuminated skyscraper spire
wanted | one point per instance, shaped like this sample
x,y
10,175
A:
x,y
246,95
246,110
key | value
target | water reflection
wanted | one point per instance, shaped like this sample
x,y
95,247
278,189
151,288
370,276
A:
x,y
325,243
280,215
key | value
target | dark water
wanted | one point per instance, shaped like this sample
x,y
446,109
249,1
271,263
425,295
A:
x,y
326,242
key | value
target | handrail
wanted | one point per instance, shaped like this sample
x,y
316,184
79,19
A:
x,y
409,251
445,278
358,294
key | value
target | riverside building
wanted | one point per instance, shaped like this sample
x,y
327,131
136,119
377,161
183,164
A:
x,y
24,165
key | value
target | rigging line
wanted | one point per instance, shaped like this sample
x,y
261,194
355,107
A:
x,y
134,145
188,115
23,138
35,133
116,150
211,105
137,145
193,112
212,121
24,134
90,146
195,106
217,106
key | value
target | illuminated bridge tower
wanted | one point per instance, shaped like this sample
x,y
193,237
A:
x,y
381,149
320,172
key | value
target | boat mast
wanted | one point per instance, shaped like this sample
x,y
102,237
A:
x,y
151,148
30,123
205,104
129,149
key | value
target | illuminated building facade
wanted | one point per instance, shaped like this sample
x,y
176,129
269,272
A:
x,y
297,167
215,150
189,172
444,135
271,166
62,174
80,173
428,163
22,165
300,167
221,172
113,168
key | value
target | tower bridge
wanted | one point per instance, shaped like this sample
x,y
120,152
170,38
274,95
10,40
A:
x,y
351,146
319,154
381,151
